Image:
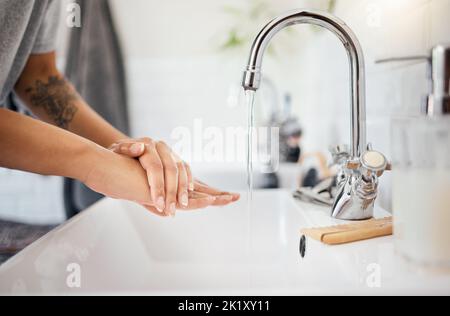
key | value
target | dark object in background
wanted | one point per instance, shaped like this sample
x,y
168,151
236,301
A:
x,y
77,197
16,236
270,181
323,193
311,178
292,154
290,137
302,246
290,134
95,67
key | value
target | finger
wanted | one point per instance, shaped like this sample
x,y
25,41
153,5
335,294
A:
x,y
125,146
236,196
222,196
128,140
190,177
222,200
204,188
199,200
170,177
154,210
153,165
124,141
183,198
132,149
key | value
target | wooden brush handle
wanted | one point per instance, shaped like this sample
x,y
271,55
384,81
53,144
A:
x,y
351,232
356,235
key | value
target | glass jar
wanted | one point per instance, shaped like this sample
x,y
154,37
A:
x,y
421,189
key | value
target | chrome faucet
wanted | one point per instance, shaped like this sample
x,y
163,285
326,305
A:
x,y
360,170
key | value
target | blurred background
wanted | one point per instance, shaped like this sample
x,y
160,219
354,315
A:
x,y
184,61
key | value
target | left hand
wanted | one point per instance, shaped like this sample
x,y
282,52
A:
x,y
221,197
169,178
199,192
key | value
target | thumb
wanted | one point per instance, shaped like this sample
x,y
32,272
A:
x,y
132,150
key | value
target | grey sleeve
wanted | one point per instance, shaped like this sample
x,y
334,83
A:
x,y
47,34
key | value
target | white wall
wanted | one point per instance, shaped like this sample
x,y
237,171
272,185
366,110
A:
x,y
177,72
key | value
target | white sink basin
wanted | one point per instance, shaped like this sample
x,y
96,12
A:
x,y
121,248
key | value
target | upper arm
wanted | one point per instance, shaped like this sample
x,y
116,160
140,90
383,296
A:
x,y
37,67
46,38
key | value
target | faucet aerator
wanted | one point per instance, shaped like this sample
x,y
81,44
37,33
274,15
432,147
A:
x,y
251,80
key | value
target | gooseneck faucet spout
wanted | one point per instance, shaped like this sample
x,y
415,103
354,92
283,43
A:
x,y
252,76
360,171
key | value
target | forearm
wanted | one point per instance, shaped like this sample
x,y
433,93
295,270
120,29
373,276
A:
x,y
30,145
54,100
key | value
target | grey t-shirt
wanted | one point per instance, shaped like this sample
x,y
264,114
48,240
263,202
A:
x,y
26,27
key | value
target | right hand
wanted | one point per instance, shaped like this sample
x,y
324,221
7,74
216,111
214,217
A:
x,y
124,178
169,178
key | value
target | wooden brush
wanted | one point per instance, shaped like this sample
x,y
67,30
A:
x,y
342,234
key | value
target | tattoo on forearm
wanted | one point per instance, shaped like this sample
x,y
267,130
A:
x,y
56,97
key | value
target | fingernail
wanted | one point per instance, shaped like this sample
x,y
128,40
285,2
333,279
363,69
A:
x,y
172,209
191,186
137,148
160,204
184,200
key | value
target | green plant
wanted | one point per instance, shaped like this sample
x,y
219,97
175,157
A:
x,y
248,18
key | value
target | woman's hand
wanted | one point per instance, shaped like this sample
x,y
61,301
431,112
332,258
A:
x,y
204,197
168,176
197,191
124,178
221,197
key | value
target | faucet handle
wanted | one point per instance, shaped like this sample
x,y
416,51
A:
x,y
339,154
370,163
373,163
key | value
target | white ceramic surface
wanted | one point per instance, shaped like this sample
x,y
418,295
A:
x,y
122,249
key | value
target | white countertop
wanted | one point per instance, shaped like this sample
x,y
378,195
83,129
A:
x,y
116,247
